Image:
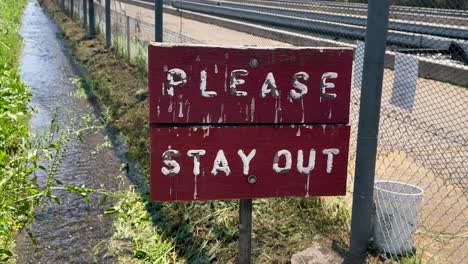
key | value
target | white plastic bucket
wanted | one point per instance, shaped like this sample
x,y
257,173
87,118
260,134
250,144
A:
x,y
396,217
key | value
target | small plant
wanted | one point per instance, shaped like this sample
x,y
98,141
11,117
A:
x,y
80,86
133,224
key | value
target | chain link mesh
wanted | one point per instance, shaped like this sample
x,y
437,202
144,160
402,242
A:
x,y
423,139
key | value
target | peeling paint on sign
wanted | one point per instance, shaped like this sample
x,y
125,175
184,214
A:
x,y
244,123
284,164
301,85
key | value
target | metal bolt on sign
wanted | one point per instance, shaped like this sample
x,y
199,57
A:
x,y
252,179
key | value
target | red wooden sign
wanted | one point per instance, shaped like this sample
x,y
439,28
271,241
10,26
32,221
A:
x,y
194,84
243,123
208,163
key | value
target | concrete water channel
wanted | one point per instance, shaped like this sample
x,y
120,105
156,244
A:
x,y
72,231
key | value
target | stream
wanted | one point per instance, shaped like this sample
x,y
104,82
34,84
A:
x,y
72,231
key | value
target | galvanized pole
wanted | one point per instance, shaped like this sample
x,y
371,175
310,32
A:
x,y
128,39
158,20
85,13
245,231
108,24
92,25
369,114
72,8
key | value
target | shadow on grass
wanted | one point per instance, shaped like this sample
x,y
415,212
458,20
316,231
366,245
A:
x,y
171,218
174,225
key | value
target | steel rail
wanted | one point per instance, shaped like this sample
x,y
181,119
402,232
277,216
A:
x,y
319,26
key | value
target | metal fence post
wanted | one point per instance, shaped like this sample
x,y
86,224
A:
x,y
108,24
92,23
72,8
85,13
128,38
369,115
158,20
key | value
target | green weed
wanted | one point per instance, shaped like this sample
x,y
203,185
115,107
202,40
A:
x,y
80,87
133,225
15,142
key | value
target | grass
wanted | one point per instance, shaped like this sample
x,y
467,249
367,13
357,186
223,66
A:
x,y
14,131
135,239
188,232
23,156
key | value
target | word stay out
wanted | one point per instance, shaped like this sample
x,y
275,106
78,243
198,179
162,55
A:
x,y
221,164
242,162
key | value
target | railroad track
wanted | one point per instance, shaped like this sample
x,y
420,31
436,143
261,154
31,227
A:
x,y
420,35
451,17
443,30
358,6
333,25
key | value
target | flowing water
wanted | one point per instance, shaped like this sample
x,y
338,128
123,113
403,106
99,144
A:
x,y
72,231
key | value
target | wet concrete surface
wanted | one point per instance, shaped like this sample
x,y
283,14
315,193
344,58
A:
x,y
72,231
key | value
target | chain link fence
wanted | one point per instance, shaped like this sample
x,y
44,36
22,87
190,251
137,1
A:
x,y
423,139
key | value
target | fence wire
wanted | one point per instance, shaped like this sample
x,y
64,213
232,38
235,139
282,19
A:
x,y
423,139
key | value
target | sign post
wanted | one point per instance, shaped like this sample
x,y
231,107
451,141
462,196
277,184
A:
x,y
245,123
245,231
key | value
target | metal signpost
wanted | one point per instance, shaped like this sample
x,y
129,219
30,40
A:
x,y
246,123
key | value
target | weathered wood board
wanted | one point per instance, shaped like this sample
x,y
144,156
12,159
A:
x,y
207,163
192,85
245,123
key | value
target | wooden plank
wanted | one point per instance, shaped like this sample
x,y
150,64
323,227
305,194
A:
x,y
175,177
203,84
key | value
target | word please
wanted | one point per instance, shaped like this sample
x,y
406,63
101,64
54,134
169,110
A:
x,y
221,165
177,78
